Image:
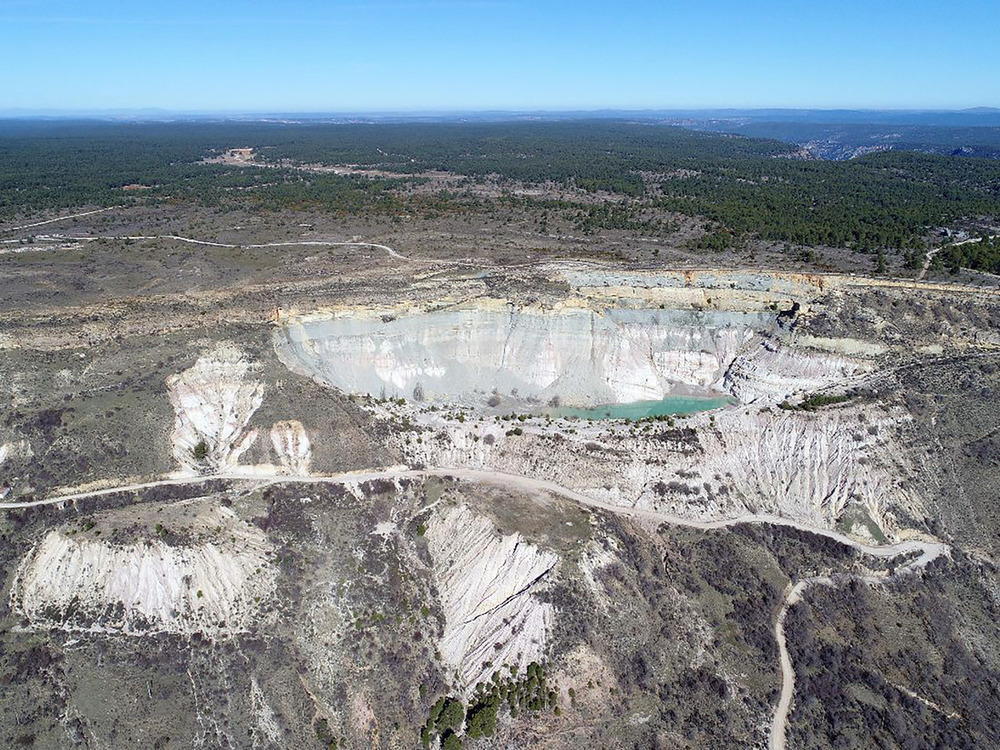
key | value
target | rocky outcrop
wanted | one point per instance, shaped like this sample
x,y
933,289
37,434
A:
x,y
486,582
213,402
769,371
735,462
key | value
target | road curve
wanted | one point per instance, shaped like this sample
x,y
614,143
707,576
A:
x,y
929,550
929,255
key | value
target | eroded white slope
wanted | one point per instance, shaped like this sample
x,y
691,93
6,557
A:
x,y
486,582
78,581
291,443
806,466
213,402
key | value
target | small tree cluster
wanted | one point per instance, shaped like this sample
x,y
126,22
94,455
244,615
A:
x,y
447,716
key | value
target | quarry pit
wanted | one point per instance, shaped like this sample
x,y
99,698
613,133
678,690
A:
x,y
612,347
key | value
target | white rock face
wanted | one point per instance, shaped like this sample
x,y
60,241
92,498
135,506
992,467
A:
x,y
214,401
84,583
594,558
585,356
806,466
486,582
770,372
291,443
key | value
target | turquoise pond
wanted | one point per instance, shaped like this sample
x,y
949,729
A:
x,y
670,406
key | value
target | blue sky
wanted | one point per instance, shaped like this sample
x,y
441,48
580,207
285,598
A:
x,y
307,55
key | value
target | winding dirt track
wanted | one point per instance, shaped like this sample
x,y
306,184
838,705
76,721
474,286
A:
x,y
779,724
929,550
929,256
293,243
4,230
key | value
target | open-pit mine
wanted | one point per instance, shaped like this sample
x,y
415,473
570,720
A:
x,y
564,504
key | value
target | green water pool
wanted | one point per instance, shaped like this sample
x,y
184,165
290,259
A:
x,y
670,406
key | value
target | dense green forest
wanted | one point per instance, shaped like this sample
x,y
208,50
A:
x,y
744,187
56,165
885,200
983,255
963,140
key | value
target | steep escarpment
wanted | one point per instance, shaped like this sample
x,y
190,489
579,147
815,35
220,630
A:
x,y
614,338
584,356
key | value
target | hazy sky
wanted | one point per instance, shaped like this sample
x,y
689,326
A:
x,y
312,55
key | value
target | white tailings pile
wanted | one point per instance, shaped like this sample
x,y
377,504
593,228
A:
x,y
214,401
584,356
485,582
80,582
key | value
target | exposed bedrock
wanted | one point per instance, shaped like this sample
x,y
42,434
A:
x,y
213,402
839,466
581,354
487,583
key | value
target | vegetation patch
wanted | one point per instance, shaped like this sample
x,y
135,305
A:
x,y
448,717
817,401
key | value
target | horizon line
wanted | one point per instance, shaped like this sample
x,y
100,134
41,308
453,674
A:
x,y
57,112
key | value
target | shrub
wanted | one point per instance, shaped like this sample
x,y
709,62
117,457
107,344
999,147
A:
x,y
200,451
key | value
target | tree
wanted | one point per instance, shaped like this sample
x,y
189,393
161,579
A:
x,y
452,716
200,451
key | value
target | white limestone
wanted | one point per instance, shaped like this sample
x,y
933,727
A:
x,y
585,356
806,466
291,443
770,371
